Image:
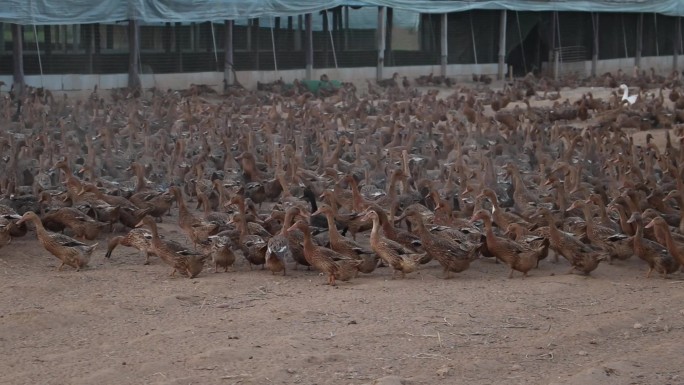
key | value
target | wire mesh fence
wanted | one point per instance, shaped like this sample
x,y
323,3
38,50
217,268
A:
x,y
342,37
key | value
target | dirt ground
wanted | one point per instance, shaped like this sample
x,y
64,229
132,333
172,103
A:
x,y
121,322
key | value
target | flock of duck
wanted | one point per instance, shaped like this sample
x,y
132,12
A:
x,y
285,177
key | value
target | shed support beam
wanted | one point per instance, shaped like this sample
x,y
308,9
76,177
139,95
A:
x,y
677,43
89,32
553,36
445,47
298,33
228,58
381,42
75,37
388,36
595,50
308,45
18,58
257,42
133,53
502,45
179,52
346,27
2,37
639,40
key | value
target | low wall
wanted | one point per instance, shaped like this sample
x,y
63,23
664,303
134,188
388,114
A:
x,y
249,79
661,64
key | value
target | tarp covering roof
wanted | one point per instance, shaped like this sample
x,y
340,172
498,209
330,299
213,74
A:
x,y
156,11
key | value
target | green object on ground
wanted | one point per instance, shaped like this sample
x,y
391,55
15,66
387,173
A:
x,y
315,85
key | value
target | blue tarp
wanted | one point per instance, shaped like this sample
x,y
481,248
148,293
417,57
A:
x,y
158,11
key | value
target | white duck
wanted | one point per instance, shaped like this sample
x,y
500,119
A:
x,y
626,97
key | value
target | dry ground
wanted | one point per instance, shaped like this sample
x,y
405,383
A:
x,y
120,322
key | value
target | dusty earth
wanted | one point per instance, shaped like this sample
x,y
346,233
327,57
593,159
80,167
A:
x,y
121,322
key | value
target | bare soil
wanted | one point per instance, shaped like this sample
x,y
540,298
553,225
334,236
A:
x,y
121,322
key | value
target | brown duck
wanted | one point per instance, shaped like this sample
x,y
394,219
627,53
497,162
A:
x,y
346,246
517,256
654,254
187,263
399,258
336,266
453,256
70,251
583,258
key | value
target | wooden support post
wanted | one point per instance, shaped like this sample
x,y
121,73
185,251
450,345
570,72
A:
x,y
388,37
228,58
445,47
249,35
639,39
595,53
338,36
75,38
290,32
166,42
47,58
677,44
18,59
133,54
346,27
97,45
381,43
89,29
298,33
97,39
257,30
193,37
2,37
277,32
502,45
110,36
47,33
63,36
205,33
326,39
553,37
179,51
308,45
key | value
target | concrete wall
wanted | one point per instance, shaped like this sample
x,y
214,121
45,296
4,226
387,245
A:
x,y
249,79
661,64
73,82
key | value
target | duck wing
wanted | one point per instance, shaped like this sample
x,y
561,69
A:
x,y
67,241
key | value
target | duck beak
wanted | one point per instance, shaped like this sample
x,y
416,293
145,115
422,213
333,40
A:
x,y
650,224
572,207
